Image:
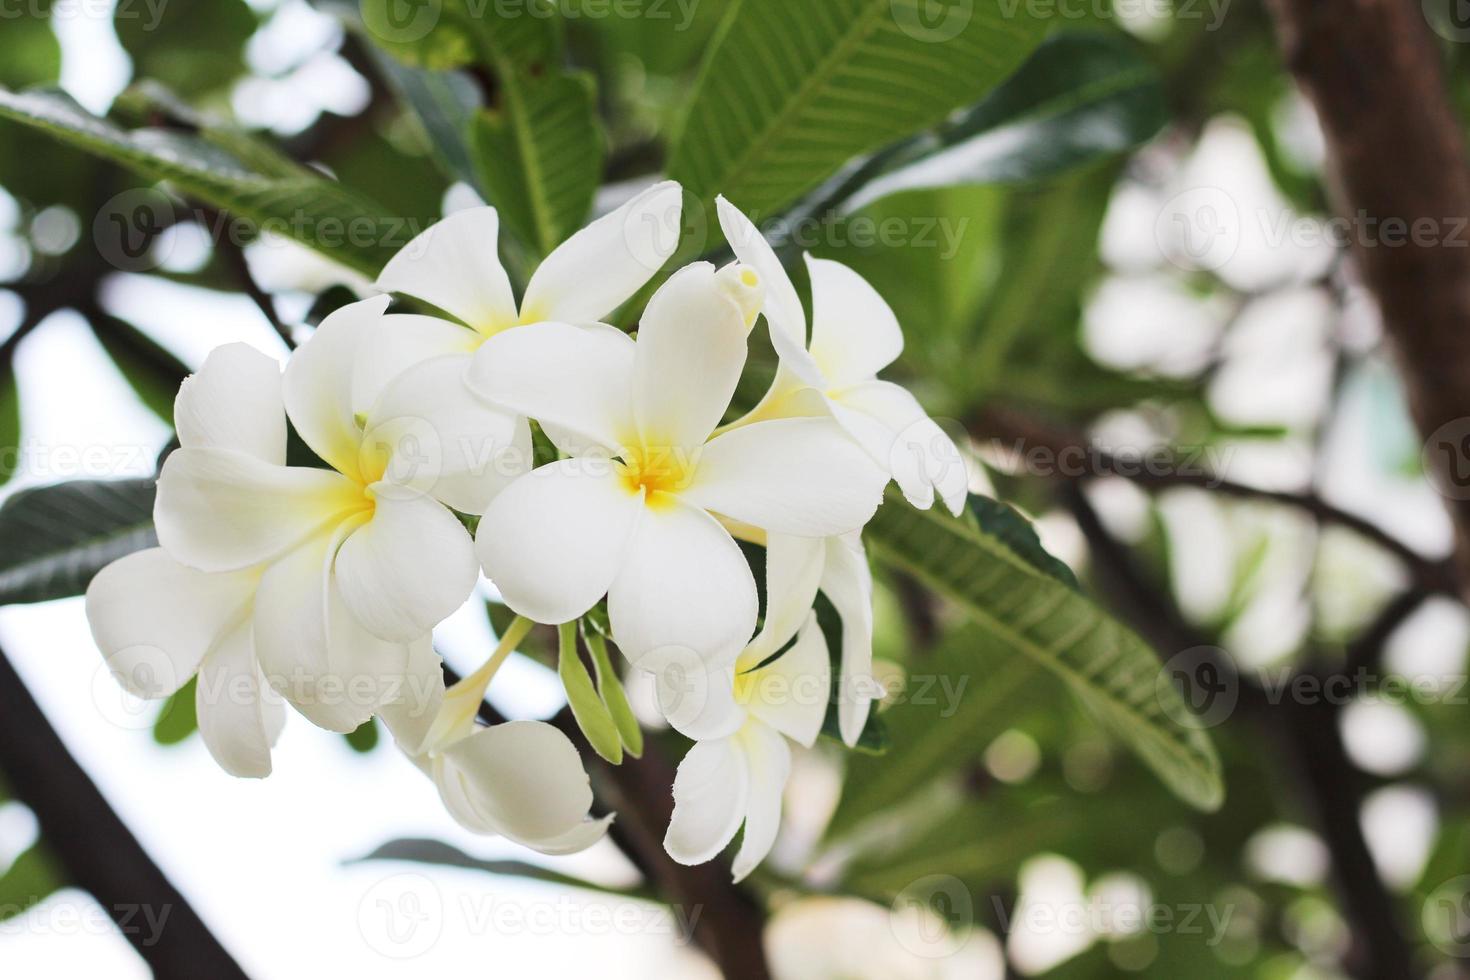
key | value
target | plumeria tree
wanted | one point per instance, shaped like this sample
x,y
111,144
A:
x,y
722,354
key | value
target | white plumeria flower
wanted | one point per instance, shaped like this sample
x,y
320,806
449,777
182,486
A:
x,y
633,513
358,561
159,623
522,780
455,265
724,782
854,335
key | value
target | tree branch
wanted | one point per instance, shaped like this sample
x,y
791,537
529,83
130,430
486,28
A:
x,y
95,848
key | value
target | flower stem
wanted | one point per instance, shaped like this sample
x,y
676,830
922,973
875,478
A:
x,y
462,701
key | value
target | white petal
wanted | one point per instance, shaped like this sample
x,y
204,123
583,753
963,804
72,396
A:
x,y
769,760
154,619
854,331
234,402
579,838
783,305
884,448
523,779
711,791
691,350
789,476
397,342
554,540
576,379
684,589
230,704
313,650
848,583
696,699
793,569
455,265
599,268
410,716
319,382
430,432
220,510
410,566
791,692
917,445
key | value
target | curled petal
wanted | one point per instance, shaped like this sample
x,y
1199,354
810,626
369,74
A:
x,y
455,265
768,760
711,793
887,419
155,619
234,402
522,779
790,694
598,269
783,305
793,569
240,717
848,583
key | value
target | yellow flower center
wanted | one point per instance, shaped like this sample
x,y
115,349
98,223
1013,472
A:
x,y
660,471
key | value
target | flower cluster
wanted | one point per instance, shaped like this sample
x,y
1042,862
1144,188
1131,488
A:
x,y
318,581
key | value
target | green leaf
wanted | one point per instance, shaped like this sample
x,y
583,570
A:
x,y
190,45
149,368
58,537
29,879
365,737
433,852
610,689
946,717
179,717
591,714
1080,97
32,54
444,105
303,205
1107,666
539,156
1004,523
792,91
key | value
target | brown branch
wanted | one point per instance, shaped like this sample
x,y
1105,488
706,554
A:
x,y
1397,159
1428,574
95,848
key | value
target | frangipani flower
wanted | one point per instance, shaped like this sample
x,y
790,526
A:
x,y
724,782
455,265
854,336
358,561
633,513
522,780
159,623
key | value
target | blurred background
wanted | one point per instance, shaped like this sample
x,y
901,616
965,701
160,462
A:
x,y
1133,306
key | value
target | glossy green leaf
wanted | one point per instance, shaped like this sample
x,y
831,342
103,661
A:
x,y
191,45
539,155
1004,523
1033,614
1081,96
58,537
791,92
306,206
587,707
152,371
